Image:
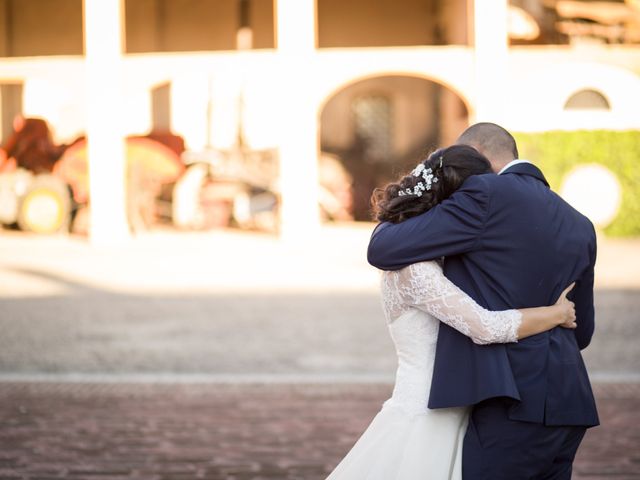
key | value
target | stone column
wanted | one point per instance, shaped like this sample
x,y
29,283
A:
x,y
298,144
491,42
103,21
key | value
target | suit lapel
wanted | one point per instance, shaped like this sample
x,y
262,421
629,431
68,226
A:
x,y
526,169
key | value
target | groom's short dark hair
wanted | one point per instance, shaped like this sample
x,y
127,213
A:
x,y
492,140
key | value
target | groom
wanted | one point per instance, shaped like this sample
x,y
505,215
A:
x,y
508,242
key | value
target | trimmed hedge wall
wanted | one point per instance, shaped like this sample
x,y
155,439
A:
x,y
558,152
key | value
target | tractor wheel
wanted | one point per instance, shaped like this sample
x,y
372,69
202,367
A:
x,y
46,206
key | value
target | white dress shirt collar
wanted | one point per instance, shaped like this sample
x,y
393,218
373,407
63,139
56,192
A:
x,y
512,163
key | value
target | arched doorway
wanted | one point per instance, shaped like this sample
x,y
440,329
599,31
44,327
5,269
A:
x,y
374,129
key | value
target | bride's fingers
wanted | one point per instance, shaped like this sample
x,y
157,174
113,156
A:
x,y
565,292
570,325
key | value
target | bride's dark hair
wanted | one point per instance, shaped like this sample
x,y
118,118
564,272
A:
x,y
449,166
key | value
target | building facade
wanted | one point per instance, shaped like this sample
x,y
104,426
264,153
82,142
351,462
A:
x,y
373,82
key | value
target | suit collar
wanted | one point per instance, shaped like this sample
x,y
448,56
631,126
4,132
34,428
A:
x,y
512,163
525,168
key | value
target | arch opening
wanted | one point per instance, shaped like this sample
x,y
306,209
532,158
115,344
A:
x,y
375,129
587,100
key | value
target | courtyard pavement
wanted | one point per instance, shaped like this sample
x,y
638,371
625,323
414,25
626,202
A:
x,y
234,432
228,355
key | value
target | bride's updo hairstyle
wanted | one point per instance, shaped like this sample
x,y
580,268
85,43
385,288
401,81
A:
x,y
431,182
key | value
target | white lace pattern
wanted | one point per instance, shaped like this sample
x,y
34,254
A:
x,y
423,286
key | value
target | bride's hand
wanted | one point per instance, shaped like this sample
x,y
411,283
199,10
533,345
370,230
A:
x,y
567,309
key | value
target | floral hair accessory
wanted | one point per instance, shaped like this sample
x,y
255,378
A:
x,y
428,179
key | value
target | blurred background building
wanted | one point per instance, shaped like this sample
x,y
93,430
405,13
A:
x,y
276,114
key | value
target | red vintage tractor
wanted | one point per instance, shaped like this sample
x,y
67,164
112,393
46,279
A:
x,y
45,187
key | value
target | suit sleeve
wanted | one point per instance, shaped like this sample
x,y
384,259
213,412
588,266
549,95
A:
x,y
583,299
450,228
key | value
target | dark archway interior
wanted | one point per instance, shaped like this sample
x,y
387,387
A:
x,y
380,127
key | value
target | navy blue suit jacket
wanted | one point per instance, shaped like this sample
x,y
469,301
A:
x,y
508,242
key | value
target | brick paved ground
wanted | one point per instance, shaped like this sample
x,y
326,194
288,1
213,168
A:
x,y
225,304
233,432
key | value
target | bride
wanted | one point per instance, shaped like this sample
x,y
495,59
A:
x,y
406,440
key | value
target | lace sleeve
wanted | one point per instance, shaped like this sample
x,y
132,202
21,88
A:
x,y
424,286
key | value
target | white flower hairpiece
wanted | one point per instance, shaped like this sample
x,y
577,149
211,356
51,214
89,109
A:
x,y
428,177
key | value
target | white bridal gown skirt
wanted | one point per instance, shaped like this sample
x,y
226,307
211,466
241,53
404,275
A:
x,y
399,445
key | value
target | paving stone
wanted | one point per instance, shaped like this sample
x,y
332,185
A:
x,y
179,304
70,310
225,432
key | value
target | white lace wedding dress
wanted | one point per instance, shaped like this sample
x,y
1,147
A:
x,y
406,440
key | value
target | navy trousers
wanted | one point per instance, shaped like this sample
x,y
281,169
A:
x,y
496,448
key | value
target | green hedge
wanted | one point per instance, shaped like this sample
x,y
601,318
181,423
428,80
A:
x,y
558,152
